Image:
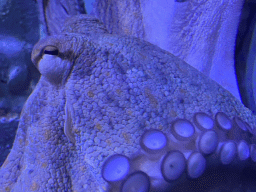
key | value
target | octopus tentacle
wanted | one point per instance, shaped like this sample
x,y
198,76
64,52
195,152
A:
x,y
183,151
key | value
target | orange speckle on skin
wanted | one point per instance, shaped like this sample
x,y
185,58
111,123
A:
x,y
129,112
21,141
173,113
44,165
98,126
126,137
47,134
160,127
183,91
118,91
34,186
143,56
104,188
108,142
151,97
82,168
90,94
26,142
76,130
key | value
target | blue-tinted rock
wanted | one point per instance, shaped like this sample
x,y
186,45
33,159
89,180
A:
x,y
11,46
5,106
17,82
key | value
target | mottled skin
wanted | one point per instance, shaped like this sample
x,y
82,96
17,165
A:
x,y
202,33
113,88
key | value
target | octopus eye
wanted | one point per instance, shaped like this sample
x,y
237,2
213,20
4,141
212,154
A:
x,y
51,50
51,64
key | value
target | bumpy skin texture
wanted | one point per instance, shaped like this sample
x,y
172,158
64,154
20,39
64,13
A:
x,y
202,33
107,92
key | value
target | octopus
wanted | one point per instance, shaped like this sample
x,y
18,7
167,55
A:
x,y
115,113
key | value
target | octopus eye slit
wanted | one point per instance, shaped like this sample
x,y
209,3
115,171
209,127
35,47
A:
x,y
51,50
